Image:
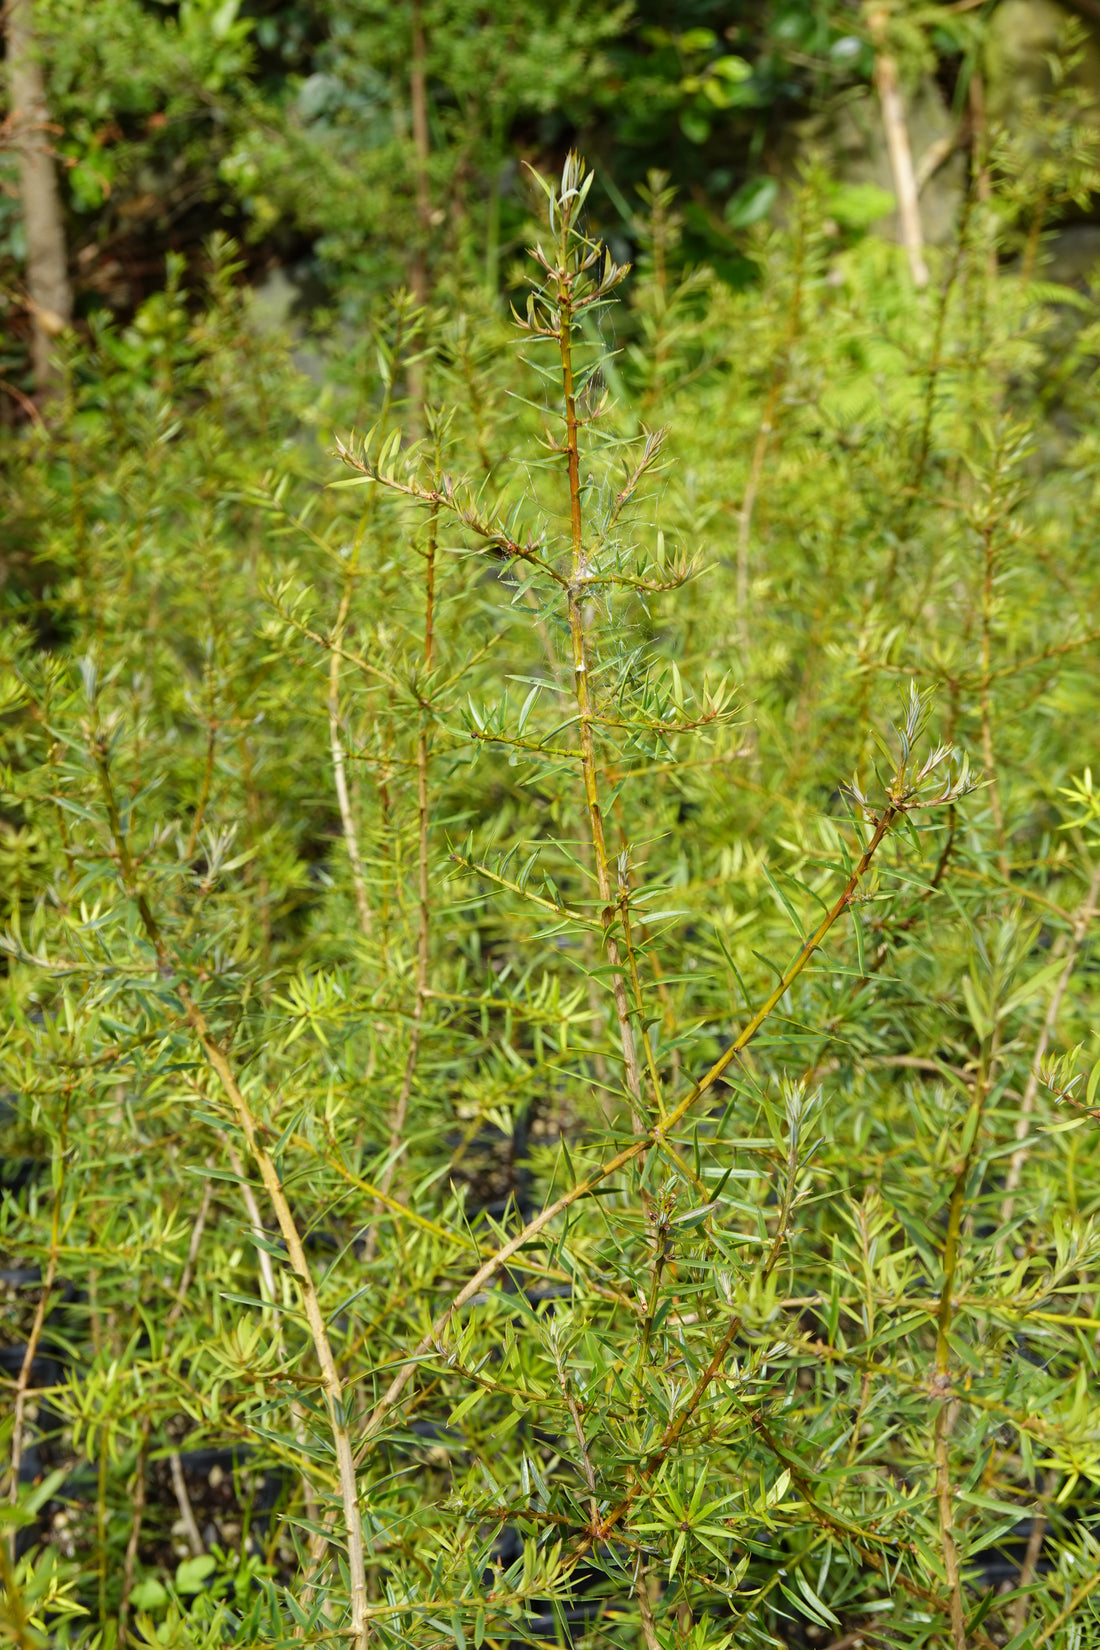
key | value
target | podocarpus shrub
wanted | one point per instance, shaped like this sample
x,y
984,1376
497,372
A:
x,y
482,1061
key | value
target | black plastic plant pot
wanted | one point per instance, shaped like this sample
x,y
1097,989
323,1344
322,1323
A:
x,y
17,1173
215,1502
45,1370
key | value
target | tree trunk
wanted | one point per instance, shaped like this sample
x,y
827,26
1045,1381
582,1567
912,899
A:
x,y
51,297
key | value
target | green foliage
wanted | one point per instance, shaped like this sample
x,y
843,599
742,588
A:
x,y
543,953
137,91
294,127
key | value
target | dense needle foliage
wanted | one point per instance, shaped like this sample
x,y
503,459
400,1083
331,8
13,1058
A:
x,y
545,952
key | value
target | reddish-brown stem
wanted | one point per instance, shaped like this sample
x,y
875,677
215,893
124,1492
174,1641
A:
x,y
581,684
1018,1618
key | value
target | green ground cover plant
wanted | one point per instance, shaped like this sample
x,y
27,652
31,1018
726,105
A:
x,y
549,1013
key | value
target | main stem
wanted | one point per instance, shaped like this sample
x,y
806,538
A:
x,y
335,641
1078,930
582,688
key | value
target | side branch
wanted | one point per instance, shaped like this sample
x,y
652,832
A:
x,y
444,497
628,1154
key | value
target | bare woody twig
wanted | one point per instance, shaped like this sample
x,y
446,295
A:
x,y
267,1283
1031,1556
183,1502
628,1154
645,1606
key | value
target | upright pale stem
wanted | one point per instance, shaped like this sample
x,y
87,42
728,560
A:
x,y
270,1294
888,86
219,1063
129,1563
645,1606
339,770
183,1502
423,940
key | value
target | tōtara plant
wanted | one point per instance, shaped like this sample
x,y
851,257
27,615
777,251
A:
x,y
514,1147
